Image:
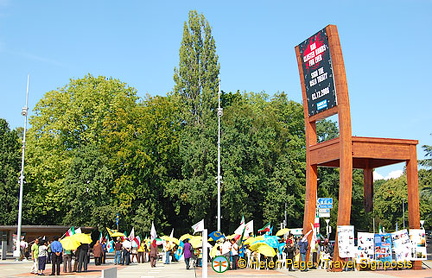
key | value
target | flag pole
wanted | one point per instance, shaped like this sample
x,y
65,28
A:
x,y
24,112
204,254
219,177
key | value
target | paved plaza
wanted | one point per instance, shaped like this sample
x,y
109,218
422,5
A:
x,y
11,268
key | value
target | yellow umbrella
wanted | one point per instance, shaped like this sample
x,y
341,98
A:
x,y
196,241
251,240
114,233
185,236
171,239
117,234
263,248
283,231
69,243
83,238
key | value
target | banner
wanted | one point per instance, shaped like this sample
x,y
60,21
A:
x,y
318,73
402,245
346,241
383,250
365,250
418,240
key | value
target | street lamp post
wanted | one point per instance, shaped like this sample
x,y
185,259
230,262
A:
x,y
219,177
24,112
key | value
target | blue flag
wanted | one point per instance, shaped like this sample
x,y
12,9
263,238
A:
x,y
216,235
110,246
179,251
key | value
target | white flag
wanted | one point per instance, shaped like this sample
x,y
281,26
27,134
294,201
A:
x,y
249,229
153,233
132,234
78,231
198,227
240,229
172,233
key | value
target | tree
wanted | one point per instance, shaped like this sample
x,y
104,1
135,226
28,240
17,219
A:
x,y
89,116
158,140
9,173
196,84
428,161
388,198
197,78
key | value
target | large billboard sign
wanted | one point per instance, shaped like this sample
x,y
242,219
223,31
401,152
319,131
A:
x,y
318,73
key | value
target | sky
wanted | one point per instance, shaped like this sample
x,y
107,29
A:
x,y
385,44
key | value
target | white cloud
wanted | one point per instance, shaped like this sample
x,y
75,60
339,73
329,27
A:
x,y
392,175
377,176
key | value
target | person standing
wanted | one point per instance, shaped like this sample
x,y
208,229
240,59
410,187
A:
x,y
134,252
127,246
153,253
141,252
56,256
23,248
234,253
83,257
104,250
168,248
315,254
34,255
98,253
42,256
303,246
67,261
49,253
187,252
290,249
118,252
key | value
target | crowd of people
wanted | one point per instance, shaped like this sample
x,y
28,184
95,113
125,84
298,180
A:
x,y
44,252
291,252
292,249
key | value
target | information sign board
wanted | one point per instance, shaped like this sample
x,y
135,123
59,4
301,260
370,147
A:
x,y
318,73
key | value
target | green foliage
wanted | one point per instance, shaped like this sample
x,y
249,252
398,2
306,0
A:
x,y
196,85
388,199
196,79
425,187
10,151
428,161
93,117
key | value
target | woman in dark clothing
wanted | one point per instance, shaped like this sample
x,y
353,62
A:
x,y
290,249
153,253
98,253
83,257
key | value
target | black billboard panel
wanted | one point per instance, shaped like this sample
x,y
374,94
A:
x,y
318,73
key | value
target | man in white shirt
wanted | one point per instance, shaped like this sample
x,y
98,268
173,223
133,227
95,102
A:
x,y
127,246
234,253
